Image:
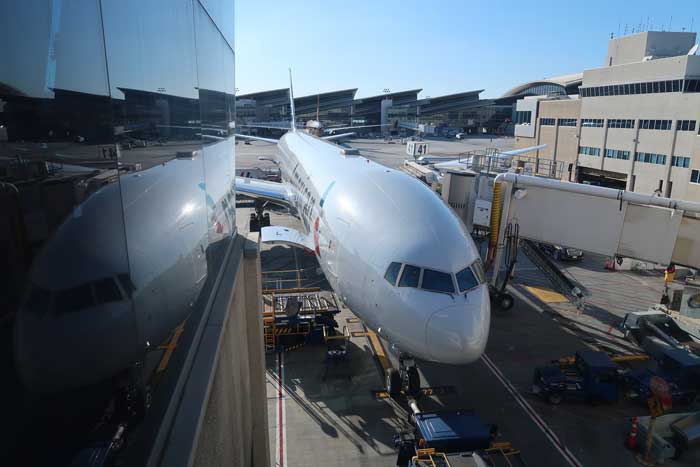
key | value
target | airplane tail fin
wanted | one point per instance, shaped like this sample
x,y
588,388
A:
x,y
291,102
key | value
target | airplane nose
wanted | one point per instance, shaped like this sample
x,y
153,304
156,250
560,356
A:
x,y
458,333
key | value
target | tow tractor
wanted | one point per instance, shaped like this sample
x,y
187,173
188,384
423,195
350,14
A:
x,y
679,368
452,438
446,438
591,376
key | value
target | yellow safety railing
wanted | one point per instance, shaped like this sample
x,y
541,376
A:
x,y
428,457
505,450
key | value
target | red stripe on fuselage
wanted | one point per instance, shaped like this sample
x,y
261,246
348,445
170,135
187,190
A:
x,y
316,245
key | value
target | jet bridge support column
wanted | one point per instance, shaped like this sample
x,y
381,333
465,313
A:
x,y
504,300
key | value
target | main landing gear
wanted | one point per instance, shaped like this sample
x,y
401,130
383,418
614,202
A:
x,y
259,218
406,379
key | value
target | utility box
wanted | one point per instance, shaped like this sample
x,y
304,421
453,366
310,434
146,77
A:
x,y
482,213
690,303
459,191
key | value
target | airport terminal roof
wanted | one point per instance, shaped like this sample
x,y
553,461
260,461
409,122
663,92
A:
x,y
431,105
304,103
568,83
324,100
400,97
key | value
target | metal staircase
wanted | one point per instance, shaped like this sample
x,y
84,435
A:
x,y
556,277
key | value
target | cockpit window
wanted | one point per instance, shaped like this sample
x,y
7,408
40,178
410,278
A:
x,y
392,273
127,285
437,281
73,299
38,299
466,279
478,269
106,290
410,276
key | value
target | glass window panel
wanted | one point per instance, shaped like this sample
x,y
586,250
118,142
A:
x,y
392,273
409,276
437,281
222,12
73,299
466,280
106,291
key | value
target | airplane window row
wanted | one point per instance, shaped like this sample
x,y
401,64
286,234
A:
x,y
435,281
80,297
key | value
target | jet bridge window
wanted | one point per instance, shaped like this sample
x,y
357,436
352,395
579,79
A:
x,y
392,273
437,281
466,279
410,276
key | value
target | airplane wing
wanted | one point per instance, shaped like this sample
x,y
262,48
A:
x,y
269,125
515,152
352,127
332,137
277,235
263,189
257,138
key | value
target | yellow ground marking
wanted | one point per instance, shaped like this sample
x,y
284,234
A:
x,y
170,347
359,334
546,295
378,350
352,320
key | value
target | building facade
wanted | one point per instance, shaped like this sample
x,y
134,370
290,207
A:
x,y
635,124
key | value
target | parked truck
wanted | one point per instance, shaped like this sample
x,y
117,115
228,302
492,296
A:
x,y
591,377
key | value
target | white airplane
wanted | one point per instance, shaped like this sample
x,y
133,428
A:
x,y
122,297
391,249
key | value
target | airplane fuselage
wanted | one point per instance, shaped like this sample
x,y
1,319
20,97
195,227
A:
x,y
363,217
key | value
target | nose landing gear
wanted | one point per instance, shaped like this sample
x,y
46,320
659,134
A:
x,y
259,218
406,379
502,299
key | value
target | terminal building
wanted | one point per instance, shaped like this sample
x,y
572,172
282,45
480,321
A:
x,y
633,124
401,112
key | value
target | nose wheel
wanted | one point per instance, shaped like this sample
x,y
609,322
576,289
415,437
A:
x,y
406,379
259,218
503,300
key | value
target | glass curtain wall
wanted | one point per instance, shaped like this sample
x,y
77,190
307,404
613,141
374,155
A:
x,y
117,206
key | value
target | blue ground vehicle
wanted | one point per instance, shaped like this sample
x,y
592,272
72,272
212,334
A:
x,y
679,368
448,432
592,377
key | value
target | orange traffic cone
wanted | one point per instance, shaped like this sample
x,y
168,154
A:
x,y
632,437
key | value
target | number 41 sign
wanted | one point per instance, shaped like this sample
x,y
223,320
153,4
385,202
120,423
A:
x,y
416,148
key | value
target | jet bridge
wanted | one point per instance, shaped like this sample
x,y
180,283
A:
x,y
596,219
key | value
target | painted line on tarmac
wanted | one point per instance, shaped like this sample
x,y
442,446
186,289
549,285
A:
x,y
378,350
281,443
548,432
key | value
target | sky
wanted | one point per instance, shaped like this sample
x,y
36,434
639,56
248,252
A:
x,y
441,46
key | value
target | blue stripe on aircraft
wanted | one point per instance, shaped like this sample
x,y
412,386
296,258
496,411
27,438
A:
x,y
325,193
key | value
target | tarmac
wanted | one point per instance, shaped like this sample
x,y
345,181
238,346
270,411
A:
x,y
336,420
